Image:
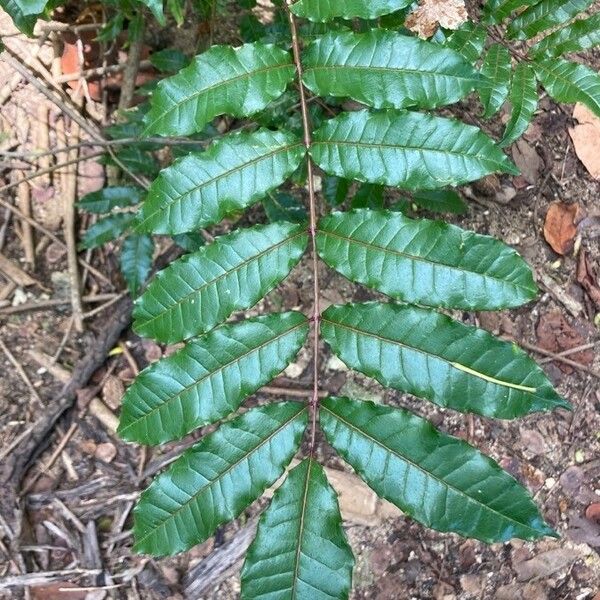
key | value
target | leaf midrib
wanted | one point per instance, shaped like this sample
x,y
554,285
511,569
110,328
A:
x,y
211,88
301,532
210,374
221,475
199,290
396,70
453,364
404,147
566,82
180,198
423,470
425,260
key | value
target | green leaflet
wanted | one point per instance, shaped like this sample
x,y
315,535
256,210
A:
x,y
523,97
405,149
384,69
544,15
216,479
169,60
468,41
427,354
300,550
580,35
109,198
31,7
425,262
496,68
23,22
223,80
136,260
210,377
326,10
201,290
570,82
107,229
436,479
156,8
497,10
441,201
235,172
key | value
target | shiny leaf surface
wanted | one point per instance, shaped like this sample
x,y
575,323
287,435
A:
x,y
426,262
235,172
216,479
583,34
238,82
326,10
210,377
406,149
107,229
136,260
300,550
436,479
523,98
496,68
384,69
468,41
201,290
427,354
570,82
542,16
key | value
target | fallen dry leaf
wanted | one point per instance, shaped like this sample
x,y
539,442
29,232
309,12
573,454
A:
x,y
586,139
59,590
431,14
560,227
113,391
587,278
555,334
528,161
592,512
545,564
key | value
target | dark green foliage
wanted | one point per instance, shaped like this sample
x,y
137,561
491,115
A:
x,y
300,550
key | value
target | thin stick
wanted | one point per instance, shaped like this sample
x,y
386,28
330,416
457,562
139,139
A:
x,y
291,392
17,365
132,67
47,304
24,204
69,200
558,357
314,401
99,72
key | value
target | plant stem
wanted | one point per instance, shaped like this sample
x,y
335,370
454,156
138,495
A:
x,y
312,199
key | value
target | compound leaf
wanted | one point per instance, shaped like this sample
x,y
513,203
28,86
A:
x,y
496,68
136,260
326,10
300,550
427,354
425,262
523,98
384,69
580,35
210,377
201,290
406,149
235,172
468,40
223,80
570,82
109,198
436,479
107,229
542,16
216,479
